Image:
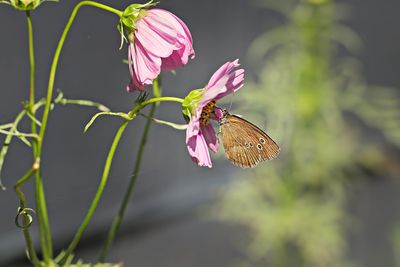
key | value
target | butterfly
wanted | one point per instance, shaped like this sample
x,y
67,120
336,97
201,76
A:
x,y
245,144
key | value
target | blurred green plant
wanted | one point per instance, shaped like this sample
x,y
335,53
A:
x,y
294,206
395,239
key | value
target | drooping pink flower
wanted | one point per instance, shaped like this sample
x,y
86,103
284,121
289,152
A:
x,y
161,41
200,134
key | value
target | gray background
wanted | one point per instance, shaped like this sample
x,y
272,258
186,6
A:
x,y
162,225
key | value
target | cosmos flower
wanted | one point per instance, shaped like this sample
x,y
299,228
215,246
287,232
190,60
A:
x,y
201,104
159,41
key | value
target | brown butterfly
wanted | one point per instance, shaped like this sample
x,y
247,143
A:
x,y
245,144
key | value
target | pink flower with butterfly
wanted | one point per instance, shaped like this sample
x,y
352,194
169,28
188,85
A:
x,y
200,107
158,40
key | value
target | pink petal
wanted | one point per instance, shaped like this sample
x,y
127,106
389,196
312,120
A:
x,y
212,92
233,84
174,61
158,37
225,86
198,150
134,84
193,127
161,24
210,137
179,25
222,71
146,66
180,56
224,81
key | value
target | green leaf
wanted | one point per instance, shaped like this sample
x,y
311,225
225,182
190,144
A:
x,y
347,37
168,123
80,102
7,141
379,108
21,136
117,114
267,41
6,126
18,134
13,129
36,121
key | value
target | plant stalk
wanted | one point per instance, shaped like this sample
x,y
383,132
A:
x,y
118,219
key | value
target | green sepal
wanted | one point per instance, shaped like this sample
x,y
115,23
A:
x,y
128,22
190,102
131,14
121,31
24,5
134,9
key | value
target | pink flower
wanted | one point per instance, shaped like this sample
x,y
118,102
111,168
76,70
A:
x,y
161,41
200,134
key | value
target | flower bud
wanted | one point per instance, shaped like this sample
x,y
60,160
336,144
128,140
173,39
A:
x,y
23,5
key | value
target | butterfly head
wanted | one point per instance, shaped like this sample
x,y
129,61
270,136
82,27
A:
x,y
225,112
224,116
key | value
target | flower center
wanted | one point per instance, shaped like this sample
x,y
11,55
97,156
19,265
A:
x,y
206,112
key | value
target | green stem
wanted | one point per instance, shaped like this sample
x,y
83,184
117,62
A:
x,y
43,220
21,181
99,192
6,126
44,229
19,134
7,141
118,219
154,100
31,109
28,239
81,102
57,57
106,171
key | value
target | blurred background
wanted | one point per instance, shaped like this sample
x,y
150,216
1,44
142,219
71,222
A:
x,y
322,77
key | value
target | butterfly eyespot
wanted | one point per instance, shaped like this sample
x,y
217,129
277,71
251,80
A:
x,y
248,145
262,140
251,144
259,147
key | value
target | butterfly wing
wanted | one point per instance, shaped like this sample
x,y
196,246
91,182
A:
x,y
245,144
